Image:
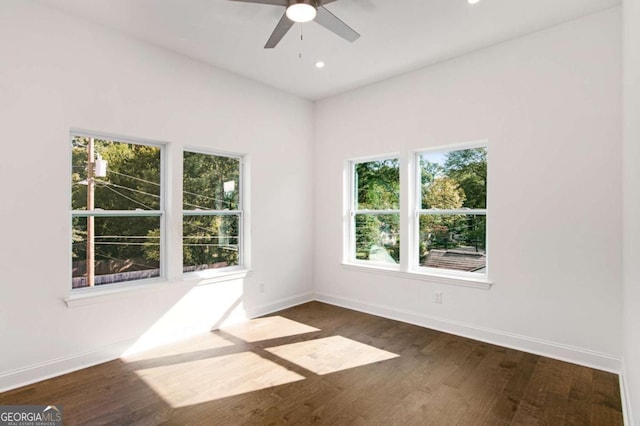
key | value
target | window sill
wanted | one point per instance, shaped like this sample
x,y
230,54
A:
x,y
89,296
481,283
212,276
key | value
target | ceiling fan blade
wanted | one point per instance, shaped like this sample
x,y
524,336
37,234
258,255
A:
x,y
281,29
273,2
323,2
335,25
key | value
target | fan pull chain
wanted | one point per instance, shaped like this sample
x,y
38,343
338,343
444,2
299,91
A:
x,y
301,39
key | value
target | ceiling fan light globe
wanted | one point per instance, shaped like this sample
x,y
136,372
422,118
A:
x,y
301,12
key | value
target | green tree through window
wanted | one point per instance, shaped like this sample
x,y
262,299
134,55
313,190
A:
x,y
212,211
452,214
376,218
116,216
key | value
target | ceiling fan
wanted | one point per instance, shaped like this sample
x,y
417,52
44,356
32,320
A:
x,y
305,11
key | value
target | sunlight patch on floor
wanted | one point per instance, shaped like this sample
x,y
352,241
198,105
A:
x,y
209,379
267,328
331,354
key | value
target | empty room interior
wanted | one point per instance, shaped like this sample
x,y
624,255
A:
x,y
320,211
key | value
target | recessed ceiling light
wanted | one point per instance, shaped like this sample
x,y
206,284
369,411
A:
x,y
473,1
301,12
320,64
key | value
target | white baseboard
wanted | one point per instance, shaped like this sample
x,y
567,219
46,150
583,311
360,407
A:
x,y
45,370
279,305
625,397
581,356
56,367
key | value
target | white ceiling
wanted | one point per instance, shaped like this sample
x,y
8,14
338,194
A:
x,y
397,35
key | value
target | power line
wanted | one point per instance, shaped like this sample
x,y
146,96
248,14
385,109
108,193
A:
x,y
184,192
130,189
207,197
124,196
133,177
108,185
200,227
157,184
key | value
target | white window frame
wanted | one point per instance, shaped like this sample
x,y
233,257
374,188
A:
x,y
241,212
418,211
161,213
350,217
410,210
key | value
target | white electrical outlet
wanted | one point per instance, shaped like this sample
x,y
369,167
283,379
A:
x,y
261,287
438,298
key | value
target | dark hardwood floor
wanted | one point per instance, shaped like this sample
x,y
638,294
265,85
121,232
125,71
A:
x,y
321,364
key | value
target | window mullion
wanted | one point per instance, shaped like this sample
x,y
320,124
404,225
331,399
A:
x,y
405,219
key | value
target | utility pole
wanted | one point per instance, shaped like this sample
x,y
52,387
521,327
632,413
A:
x,y
91,188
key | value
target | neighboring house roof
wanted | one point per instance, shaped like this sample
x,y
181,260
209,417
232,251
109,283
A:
x,y
458,259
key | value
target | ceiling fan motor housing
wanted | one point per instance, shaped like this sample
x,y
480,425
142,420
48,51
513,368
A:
x,y
302,10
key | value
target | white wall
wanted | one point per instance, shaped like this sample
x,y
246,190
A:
x,y
548,103
550,106
631,213
58,73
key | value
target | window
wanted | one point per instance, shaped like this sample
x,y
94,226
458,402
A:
x,y
451,216
212,211
117,210
437,233
375,212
